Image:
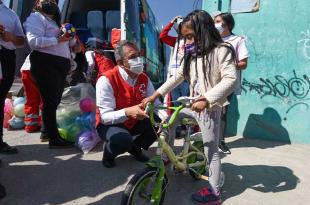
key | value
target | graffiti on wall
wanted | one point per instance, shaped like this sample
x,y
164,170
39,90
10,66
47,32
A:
x,y
293,91
305,42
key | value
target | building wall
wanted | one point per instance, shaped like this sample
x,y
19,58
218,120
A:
x,y
275,103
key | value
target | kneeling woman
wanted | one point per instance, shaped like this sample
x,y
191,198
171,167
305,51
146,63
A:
x,y
209,66
50,63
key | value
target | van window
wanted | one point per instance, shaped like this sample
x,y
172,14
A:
x,y
244,6
61,4
7,3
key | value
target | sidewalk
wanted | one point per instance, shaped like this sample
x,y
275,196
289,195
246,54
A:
x,y
257,172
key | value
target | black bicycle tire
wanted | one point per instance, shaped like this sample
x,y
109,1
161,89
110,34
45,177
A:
x,y
134,182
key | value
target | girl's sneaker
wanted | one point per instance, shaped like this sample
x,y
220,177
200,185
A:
x,y
206,196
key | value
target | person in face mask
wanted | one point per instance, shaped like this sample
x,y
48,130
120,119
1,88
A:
x,y
49,64
225,23
120,118
177,54
211,71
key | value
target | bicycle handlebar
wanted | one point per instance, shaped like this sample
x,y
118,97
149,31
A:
x,y
185,102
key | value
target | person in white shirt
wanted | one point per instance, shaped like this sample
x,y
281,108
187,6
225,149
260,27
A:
x,y
11,36
50,64
225,24
121,121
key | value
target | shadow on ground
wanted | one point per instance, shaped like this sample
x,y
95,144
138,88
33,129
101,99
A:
x,y
261,144
262,178
40,176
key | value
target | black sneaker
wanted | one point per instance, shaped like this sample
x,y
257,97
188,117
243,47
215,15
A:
x,y
44,137
108,159
57,143
138,154
7,149
2,191
223,148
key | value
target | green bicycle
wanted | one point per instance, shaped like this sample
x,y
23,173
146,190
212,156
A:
x,y
149,185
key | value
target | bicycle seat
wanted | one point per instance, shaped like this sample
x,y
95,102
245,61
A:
x,y
189,121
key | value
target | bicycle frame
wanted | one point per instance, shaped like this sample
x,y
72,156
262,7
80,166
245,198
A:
x,y
179,161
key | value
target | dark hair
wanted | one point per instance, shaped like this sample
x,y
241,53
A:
x,y
38,7
228,20
119,49
206,38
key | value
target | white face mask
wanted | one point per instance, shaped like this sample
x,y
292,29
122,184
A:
x,y
136,65
219,27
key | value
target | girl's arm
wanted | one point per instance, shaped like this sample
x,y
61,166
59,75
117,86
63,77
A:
x,y
169,85
228,73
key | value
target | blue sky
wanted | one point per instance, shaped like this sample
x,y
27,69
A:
x,y
166,10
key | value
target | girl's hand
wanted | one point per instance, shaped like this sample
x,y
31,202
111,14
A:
x,y
150,99
200,104
147,100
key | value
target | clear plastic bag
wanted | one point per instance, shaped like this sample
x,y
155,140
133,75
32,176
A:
x,y
76,116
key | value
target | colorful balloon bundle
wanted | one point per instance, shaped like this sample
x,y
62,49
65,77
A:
x,y
17,121
78,125
68,30
8,112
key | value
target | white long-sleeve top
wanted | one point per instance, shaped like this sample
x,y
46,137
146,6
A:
x,y
220,80
42,35
106,100
11,23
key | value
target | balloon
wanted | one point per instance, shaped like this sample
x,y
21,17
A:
x,y
19,110
87,105
88,140
8,105
66,117
19,100
17,123
68,29
87,120
6,118
63,133
73,132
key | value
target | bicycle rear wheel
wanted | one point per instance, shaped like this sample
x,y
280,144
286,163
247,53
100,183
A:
x,y
139,189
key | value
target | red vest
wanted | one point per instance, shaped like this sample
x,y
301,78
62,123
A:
x,y
125,95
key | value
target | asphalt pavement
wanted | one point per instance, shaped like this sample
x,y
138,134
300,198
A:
x,y
257,173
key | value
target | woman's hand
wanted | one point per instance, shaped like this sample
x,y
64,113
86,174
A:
x,y
200,104
176,18
63,38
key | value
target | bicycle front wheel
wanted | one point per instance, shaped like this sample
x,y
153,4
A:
x,y
139,189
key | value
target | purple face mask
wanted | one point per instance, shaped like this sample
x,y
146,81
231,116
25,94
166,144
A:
x,y
190,48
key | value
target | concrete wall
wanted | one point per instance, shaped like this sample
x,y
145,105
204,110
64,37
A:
x,y
275,100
